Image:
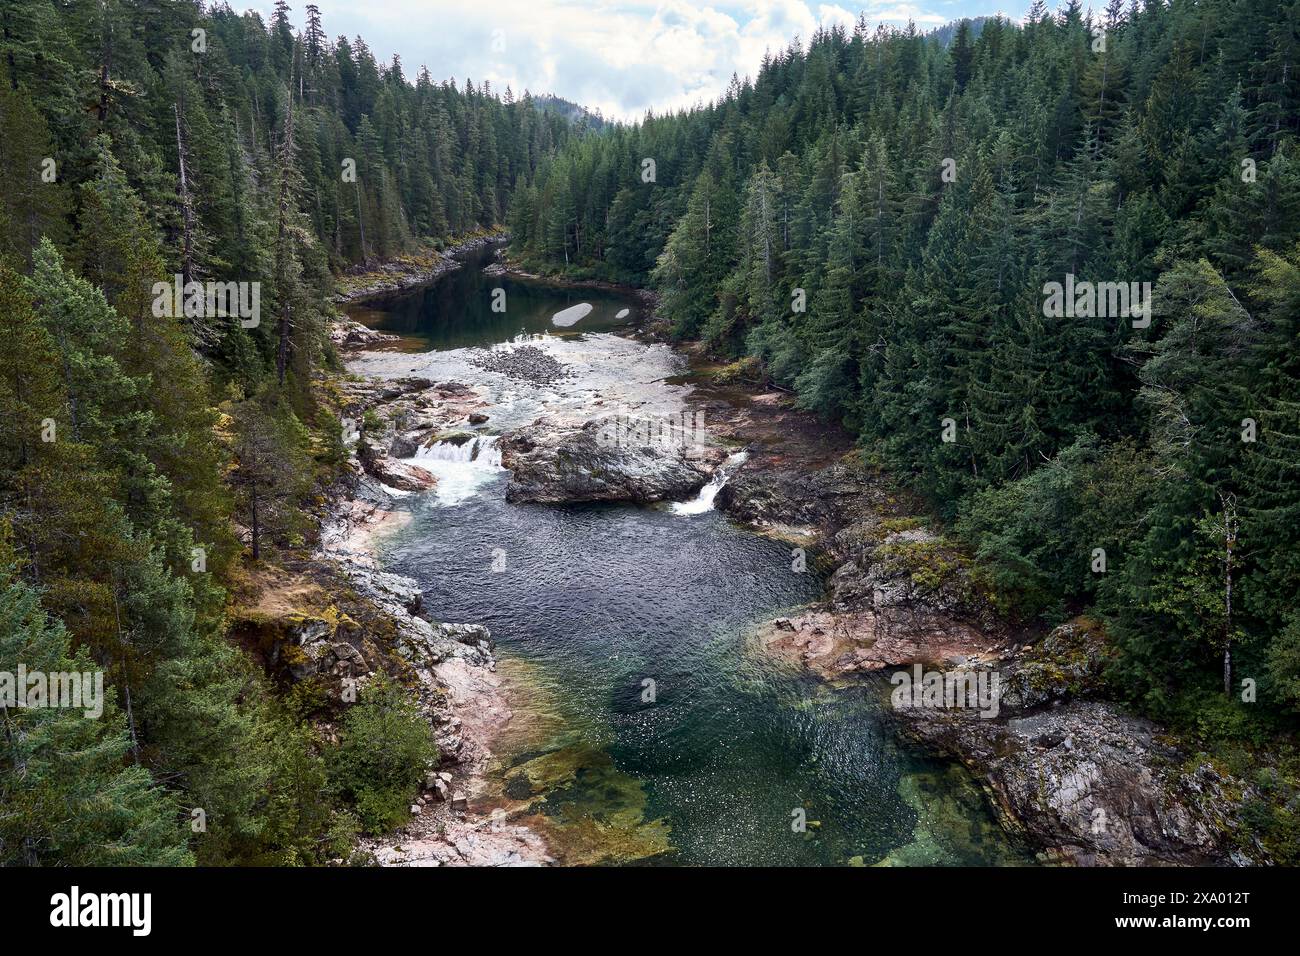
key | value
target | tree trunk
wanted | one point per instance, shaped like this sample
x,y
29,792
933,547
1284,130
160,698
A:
x,y
256,527
101,110
130,723
105,62
708,225
1229,542
187,207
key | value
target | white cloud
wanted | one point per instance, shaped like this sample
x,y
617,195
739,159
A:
x,y
618,56
900,13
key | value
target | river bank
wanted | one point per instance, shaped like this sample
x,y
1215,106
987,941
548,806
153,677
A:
x,y
428,423
605,553
1097,786
413,430
1064,767
409,271
329,621
454,665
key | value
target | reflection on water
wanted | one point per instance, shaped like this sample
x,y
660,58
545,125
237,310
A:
x,y
457,311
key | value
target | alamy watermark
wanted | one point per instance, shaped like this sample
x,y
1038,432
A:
x,y
682,430
951,690
133,911
1086,300
68,690
198,300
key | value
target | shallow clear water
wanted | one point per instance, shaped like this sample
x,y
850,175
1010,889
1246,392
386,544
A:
x,y
650,728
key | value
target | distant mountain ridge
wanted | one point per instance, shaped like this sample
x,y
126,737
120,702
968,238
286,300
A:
x,y
573,112
945,33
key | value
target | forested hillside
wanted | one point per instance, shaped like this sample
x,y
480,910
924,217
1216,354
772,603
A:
x,y
872,222
154,452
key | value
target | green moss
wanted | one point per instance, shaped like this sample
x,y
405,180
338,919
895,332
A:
x,y
746,370
929,563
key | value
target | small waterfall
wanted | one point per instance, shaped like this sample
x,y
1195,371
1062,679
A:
x,y
704,500
479,450
461,467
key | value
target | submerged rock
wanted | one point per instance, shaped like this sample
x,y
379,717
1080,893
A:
x,y
952,823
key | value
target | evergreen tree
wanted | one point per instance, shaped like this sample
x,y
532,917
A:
x,y
69,797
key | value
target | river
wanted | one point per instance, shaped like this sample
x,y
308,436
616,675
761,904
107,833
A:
x,y
649,727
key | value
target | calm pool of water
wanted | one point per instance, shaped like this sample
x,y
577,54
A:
x,y
457,311
651,729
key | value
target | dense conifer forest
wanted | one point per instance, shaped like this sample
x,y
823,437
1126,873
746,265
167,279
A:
x,y
869,223
872,222
142,454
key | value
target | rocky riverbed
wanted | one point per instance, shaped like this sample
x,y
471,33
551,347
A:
x,y
393,420
361,620
1066,770
526,362
453,667
604,459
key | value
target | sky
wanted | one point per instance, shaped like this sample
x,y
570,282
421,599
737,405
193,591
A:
x,y
620,57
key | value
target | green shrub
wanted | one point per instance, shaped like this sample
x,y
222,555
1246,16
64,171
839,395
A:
x,y
383,751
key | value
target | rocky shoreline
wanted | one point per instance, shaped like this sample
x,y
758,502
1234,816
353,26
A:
x,y
467,703
401,274
1070,773
450,667
504,267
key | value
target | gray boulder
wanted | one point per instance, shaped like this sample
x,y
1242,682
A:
x,y
552,463
1079,777
1094,786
